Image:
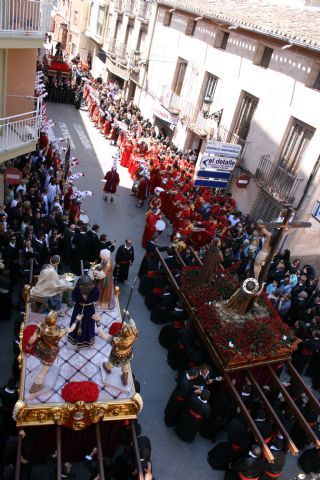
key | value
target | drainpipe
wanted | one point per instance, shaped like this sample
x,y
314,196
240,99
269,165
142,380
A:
x,y
148,54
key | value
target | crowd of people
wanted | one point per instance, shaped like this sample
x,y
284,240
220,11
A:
x,y
42,218
162,177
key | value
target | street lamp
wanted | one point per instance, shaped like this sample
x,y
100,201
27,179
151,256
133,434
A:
x,y
214,116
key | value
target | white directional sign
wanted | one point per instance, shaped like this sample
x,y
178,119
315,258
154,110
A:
x,y
217,163
225,149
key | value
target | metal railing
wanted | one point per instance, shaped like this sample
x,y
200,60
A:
x,y
144,10
130,7
118,5
276,181
122,53
18,130
25,17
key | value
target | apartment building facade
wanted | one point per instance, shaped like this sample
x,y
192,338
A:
x,y
22,30
239,71
229,78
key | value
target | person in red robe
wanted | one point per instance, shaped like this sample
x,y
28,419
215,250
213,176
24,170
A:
x,y
107,127
152,217
67,199
142,191
127,151
112,181
75,211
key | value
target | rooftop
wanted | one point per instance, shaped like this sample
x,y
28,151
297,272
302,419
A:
x,y
289,21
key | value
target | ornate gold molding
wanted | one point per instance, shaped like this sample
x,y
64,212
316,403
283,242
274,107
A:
x,y
76,415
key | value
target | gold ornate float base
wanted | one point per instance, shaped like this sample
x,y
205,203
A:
x,y
124,405
77,415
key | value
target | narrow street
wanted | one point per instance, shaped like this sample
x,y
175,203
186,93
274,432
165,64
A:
x,y
121,220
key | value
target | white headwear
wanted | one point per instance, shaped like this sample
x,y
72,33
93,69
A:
x,y
105,254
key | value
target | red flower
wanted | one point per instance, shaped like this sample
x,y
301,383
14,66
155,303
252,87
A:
x,y
80,391
27,334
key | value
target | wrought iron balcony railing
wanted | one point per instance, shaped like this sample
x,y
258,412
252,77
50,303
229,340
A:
x,y
22,129
130,7
118,5
144,11
276,180
24,17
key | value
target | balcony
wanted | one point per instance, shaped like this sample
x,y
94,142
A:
x,y
276,181
122,54
193,118
24,19
144,11
118,5
171,101
19,133
130,8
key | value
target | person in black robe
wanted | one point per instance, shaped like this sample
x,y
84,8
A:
x,y
94,249
220,414
150,249
249,466
264,427
309,461
124,258
297,433
82,244
197,410
160,313
274,470
183,392
153,296
151,269
238,441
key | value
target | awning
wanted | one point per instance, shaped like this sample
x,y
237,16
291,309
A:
x,y
162,113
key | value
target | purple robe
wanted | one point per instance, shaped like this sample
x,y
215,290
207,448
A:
x,y
84,334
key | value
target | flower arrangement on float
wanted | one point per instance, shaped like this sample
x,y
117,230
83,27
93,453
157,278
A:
x,y
259,335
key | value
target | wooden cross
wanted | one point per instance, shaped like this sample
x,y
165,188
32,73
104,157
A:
x,y
282,227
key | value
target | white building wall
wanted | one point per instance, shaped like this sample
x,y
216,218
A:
x,y
281,89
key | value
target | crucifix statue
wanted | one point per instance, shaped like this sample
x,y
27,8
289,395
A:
x,y
269,249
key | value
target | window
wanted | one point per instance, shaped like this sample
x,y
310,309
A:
x,y
191,27
210,88
90,15
266,57
245,111
141,40
118,28
108,29
297,139
75,17
127,39
221,39
179,75
167,18
317,82
73,50
100,22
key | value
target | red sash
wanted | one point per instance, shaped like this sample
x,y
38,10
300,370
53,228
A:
x,y
195,415
179,398
243,477
272,475
151,274
124,262
157,291
236,447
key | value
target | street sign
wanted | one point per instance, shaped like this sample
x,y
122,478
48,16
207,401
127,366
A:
x,y
214,174
217,163
225,149
210,183
13,176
